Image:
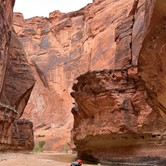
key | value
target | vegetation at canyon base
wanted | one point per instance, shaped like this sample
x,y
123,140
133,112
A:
x,y
39,149
66,147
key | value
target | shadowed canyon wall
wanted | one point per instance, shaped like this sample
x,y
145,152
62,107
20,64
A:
x,y
16,83
152,60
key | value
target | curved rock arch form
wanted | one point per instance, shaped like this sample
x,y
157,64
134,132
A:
x,y
152,60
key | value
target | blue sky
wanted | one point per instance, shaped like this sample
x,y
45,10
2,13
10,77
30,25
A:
x,y
32,8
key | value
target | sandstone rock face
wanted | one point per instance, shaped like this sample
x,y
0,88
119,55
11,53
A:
x,y
64,46
47,111
19,79
15,134
112,121
16,83
152,60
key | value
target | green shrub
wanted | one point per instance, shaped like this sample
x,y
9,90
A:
x,y
38,149
41,143
66,147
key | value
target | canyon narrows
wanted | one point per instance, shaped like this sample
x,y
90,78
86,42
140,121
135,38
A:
x,y
111,53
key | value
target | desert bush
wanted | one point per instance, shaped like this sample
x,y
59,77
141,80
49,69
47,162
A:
x,y
41,143
36,149
39,149
66,147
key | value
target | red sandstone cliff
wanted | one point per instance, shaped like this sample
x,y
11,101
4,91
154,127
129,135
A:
x,y
112,121
64,46
152,59
16,83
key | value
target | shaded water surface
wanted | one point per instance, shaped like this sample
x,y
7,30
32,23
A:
x,y
69,158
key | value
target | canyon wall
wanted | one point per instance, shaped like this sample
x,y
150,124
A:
x,y
60,48
112,120
16,83
152,60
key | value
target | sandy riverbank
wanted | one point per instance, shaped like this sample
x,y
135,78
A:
x,y
30,159
44,159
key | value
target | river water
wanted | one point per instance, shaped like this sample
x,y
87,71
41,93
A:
x,y
69,158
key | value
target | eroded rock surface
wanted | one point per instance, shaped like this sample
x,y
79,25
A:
x,y
64,46
152,60
16,83
112,120
110,104
15,134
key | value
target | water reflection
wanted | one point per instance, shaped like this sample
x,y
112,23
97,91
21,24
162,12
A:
x,y
69,158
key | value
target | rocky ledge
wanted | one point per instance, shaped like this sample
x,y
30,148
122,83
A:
x,y
15,134
59,49
112,121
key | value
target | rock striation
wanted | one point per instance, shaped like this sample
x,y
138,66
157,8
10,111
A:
x,y
15,134
152,60
16,83
64,46
112,120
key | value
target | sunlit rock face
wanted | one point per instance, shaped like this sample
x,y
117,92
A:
x,y
112,119
16,83
62,47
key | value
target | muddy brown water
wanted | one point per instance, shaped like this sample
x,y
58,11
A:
x,y
69,158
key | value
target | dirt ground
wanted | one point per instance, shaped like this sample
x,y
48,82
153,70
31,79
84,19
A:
x,y
30,159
